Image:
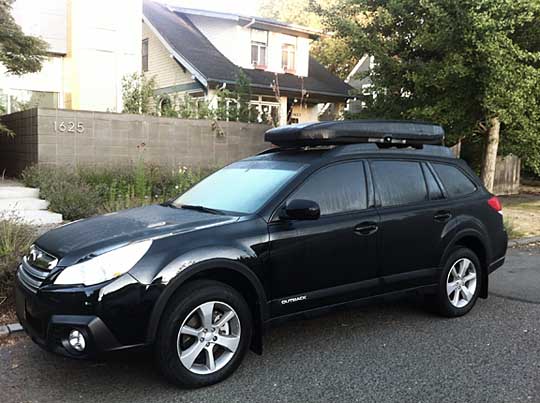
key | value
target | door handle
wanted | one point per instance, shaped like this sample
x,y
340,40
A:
x,y
366,228
442,216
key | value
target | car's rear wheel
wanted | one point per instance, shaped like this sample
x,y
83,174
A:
x,y
459,284
204,334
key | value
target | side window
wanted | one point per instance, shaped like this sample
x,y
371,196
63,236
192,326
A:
x,y
454,181
434,190
338,188
399,182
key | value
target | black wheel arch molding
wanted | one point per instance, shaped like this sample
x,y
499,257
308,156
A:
x,y
229,270
477,240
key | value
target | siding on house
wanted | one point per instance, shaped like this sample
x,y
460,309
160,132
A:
x,y
161,65
234,42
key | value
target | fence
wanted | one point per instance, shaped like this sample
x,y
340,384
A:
x,y
67,137
507,175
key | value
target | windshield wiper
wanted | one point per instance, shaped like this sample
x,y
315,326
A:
x,y
202,208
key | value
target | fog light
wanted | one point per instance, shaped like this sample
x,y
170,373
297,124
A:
x,y
76,340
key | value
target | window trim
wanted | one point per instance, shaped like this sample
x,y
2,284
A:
x,y
378,203
274,216
254,42
286,47
441,183
257,63
145,57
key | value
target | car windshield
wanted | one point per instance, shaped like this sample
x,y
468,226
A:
x,y
242,187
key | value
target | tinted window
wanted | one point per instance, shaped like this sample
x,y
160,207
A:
x,y
454,181
434,190
337,189
399,182
241,187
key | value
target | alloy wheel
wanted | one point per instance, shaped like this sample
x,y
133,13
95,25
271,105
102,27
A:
x,y
209,337
461,283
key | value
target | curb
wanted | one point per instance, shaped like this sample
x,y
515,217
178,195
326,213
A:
x,y
6,330
523,241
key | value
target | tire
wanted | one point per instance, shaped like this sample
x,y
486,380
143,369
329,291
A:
x,y
463,274
187,336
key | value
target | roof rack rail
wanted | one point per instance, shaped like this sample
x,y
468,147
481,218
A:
x,y
387,132
427,149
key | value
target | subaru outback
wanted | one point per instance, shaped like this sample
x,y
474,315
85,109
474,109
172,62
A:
x,y
334,214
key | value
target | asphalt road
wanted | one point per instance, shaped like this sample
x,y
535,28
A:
x,y
386,353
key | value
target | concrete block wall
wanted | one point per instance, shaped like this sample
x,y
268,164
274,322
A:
x,y
18,151
68,137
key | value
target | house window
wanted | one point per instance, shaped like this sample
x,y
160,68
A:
x,y
267,109
259,45
145,55
20,100
288,56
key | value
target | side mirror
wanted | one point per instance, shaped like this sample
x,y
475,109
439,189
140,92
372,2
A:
x,y
299,209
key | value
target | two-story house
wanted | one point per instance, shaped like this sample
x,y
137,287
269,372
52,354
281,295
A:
x,y
197,52
89,52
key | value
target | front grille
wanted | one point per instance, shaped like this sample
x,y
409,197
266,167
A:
x,y
35,268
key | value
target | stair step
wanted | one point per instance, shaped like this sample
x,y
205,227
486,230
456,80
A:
x,y
23,204
18,192
35,217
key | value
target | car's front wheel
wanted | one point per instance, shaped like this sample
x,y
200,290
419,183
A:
x,y
204,334
460,283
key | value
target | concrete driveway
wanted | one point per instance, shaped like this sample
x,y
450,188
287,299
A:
x,y
386,353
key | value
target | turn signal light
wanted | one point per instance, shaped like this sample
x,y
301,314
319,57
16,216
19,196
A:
x,y
495,204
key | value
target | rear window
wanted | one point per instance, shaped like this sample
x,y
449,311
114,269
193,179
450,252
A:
x,y
399,182
454,181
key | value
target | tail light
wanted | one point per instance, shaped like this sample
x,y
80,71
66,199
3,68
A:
x,y
495,204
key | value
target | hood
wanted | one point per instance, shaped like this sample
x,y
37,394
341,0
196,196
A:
x,y
80,238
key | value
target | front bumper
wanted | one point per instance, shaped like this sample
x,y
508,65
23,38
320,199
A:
x,y
111,317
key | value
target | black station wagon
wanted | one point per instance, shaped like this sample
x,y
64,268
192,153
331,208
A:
x,y
336,213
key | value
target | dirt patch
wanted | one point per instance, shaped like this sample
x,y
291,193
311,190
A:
x,y
522,212
12,339
7,311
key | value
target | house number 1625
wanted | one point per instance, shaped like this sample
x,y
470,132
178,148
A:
x,y
68,127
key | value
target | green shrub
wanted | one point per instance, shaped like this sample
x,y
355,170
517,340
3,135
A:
x,y
73,199
86,191
15,240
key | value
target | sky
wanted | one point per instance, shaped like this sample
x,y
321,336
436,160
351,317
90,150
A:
x,y
244,7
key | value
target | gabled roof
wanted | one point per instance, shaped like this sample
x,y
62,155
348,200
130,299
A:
x,y
211,68
257,22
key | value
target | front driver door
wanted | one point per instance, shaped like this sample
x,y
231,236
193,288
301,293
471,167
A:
x,y
332,259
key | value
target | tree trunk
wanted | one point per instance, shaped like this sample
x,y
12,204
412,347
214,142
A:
x,y
490,153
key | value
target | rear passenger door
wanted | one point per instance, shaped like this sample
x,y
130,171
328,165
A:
x,y
413,216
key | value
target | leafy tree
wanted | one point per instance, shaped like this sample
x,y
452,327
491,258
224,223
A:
x,y
19,53
138,93
3,128
243,98
472,65
331,51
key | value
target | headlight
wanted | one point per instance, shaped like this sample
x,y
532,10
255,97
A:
x,y
104,267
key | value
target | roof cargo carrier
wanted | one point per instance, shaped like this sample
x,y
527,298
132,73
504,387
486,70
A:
x,y
394,133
